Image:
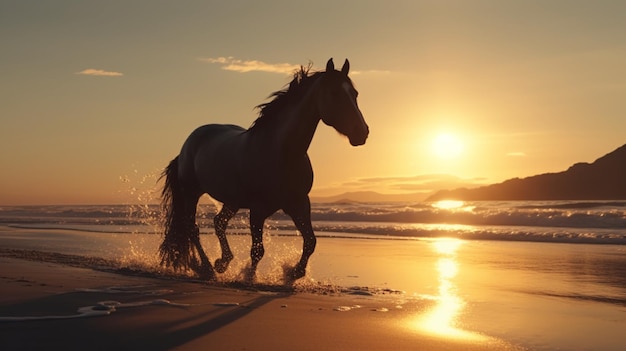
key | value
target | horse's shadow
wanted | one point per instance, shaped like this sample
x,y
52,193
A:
x,y
150,327
199,325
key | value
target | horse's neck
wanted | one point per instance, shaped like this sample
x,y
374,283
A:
x,y
298,125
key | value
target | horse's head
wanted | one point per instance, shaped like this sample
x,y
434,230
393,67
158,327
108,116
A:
x,y
338,106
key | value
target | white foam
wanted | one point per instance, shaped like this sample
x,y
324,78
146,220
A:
x,y
380,309
346,308
126,290
342,308
102,308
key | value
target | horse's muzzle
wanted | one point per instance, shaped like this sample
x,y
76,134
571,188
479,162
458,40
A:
x,y
359,138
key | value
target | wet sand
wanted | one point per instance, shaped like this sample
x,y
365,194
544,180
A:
x,y
63,289
186,315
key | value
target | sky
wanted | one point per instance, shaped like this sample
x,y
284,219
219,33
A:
x,y
98,96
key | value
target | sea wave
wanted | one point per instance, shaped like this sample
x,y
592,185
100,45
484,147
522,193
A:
x,y
564,221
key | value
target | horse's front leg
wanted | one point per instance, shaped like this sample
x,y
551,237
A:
x,y
221,222
257,250
257,220
308,247
301,216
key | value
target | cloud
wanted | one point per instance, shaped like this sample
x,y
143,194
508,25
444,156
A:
x,y
426,183
243,66
232,64
371,71
516,154
99,73
430,182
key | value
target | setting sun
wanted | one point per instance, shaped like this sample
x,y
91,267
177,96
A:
x,y
447,146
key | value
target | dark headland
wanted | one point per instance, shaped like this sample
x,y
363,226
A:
x,y
604,179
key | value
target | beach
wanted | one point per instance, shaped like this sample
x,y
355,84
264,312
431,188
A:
x,y
359,294
198,316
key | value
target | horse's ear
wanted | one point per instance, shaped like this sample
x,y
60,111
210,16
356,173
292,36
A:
x,y
330,65
346,67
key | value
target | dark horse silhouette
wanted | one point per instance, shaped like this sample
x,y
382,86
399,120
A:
x,y
264,168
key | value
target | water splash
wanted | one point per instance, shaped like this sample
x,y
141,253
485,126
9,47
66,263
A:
x,y
141,192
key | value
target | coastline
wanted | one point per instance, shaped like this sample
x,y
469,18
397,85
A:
x,y
433,294
164,314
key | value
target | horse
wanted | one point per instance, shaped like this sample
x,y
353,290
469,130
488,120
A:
x,y
264,168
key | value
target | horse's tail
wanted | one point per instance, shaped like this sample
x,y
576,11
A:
x,y
177,249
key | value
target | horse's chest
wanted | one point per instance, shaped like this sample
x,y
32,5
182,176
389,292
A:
x,y
284,178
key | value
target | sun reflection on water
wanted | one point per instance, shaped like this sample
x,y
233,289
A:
x,y
448,204
442,319
453,205
446,246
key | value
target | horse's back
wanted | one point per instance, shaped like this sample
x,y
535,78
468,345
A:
x,y
213,131
236,167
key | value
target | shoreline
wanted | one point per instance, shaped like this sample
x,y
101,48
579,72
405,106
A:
x,y
439,294
608,239
163,314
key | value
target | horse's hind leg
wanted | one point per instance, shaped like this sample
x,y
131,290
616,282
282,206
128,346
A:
x,y
220,222
205,270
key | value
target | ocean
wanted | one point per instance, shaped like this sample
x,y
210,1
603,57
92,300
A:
x,y
590,222
543,275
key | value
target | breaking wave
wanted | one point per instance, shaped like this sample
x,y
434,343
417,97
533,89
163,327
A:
x,y
554,221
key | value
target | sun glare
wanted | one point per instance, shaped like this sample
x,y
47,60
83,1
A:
x,y
448,204
447,146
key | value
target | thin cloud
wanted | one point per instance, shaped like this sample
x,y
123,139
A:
x,y
243,66
99,73
425,183
516,154
371,71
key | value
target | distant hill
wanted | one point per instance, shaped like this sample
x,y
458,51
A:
x,y
604,179
369,196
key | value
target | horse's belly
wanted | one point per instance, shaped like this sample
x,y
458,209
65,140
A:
x,y
216,162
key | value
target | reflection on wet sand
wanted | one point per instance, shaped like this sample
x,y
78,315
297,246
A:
x,y
442,319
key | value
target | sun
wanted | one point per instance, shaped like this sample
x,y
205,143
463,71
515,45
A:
x,y
447,146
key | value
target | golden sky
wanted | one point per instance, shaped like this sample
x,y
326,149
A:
x,y
97,96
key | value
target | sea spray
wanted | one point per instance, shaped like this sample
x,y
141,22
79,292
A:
x,y
142,192
141,254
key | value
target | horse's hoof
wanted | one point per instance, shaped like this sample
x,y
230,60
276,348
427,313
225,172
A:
x,y
206,272
209,277
221,265
291,274
249,275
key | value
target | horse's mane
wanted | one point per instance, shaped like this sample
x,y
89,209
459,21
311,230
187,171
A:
x,y
302,80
